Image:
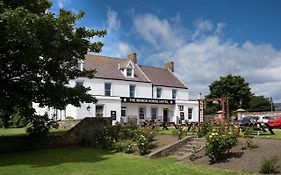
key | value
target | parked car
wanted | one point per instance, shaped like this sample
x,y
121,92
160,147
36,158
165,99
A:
x,y
275,121
246,121
263,119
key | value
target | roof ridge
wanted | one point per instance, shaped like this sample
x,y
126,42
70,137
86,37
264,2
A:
x,y
108,57
153,67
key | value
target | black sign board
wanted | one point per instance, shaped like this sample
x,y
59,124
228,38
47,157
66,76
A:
x,y
182,115
181,107
147,100
113,115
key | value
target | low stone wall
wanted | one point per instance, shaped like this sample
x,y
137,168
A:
x,y
166,150
87,126
21,143
68,123
270,113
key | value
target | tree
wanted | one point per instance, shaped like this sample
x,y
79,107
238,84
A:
x,y
38,56
233,87
260,103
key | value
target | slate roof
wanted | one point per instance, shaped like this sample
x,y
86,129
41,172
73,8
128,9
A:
x,y
162,77
108,68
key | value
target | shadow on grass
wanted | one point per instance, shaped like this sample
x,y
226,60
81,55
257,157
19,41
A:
x,y
52,157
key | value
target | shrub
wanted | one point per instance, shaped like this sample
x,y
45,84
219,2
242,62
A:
x,y
143,145
219,142
18,121
145,139
248,131
38,126
180,132
124,146
269,166
204,129
249,144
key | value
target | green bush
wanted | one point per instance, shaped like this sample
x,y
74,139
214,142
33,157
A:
x,y
181,131
249,144
269,166
145,139
124,146
17,120
219,142
38,126
204,129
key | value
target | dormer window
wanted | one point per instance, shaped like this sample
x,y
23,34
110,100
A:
x,y
129,72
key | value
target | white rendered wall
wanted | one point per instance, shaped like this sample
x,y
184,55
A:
x,y
119,88
166,93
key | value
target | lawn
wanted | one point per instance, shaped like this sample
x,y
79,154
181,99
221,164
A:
x,y
21,131
170,131
267,134
87,161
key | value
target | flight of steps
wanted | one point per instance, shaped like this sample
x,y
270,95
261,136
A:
x,y
186,150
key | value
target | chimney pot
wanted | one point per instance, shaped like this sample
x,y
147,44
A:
x,y
133,57
170,65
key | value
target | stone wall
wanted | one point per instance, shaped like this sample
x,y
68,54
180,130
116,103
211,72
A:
x,y
87,126
21,143
68,123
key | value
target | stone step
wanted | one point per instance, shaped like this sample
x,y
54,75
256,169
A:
x,y
183,149
181,157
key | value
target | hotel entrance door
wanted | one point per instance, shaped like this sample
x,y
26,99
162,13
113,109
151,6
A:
x,y
165,115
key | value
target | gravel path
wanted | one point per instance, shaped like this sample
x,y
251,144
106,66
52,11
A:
x,y
246,160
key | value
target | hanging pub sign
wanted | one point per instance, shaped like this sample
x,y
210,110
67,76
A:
x,y
147,100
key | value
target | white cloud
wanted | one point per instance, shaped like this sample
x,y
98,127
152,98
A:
x,y
61,3
156,31
112,19
205,55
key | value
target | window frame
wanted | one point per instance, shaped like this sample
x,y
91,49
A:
x,y
134,95
160,92
174,93
106,90
100,112
190,113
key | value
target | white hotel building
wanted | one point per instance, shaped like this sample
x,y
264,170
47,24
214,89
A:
x,y
125,89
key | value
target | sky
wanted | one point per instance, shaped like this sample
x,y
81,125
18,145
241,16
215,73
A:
x,y
205,39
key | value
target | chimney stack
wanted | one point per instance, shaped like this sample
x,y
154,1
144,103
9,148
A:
x,y
133,57
170,66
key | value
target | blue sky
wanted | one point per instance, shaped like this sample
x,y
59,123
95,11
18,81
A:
x,y
206,39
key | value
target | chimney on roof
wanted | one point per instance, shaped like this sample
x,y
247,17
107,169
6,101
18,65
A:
x,y
133,57
170,65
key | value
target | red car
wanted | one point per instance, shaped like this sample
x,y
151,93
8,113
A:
x,y
275,121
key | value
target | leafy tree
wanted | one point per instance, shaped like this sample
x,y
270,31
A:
x,y
260,103
233,87
39,51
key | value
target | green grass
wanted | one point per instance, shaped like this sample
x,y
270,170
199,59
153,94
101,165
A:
x,y
87,161
168,132
21,131
267,134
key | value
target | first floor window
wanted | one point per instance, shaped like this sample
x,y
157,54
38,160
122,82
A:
x,y
154,113
190,113
107,89
99,110
132,90
158,92
174,94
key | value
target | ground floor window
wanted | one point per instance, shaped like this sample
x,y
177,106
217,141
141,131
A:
x,y
141,113
123,111
154,112
99,110
190,113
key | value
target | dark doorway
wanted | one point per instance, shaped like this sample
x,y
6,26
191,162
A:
x,y
165,115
